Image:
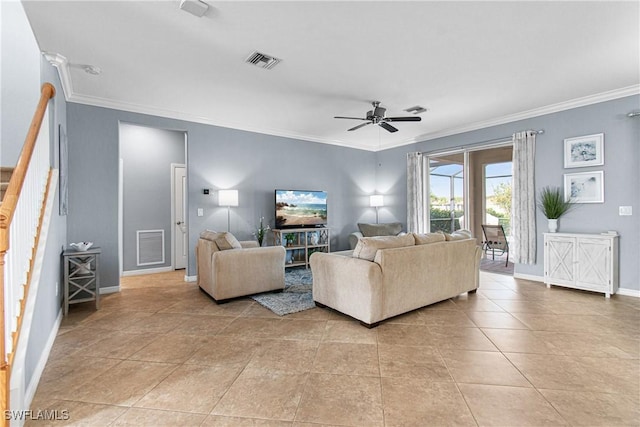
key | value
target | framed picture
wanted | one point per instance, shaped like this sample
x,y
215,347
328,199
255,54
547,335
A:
x,y
584,151
584,187
63,165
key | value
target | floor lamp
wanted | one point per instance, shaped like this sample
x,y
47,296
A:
x,y
228,198
375,201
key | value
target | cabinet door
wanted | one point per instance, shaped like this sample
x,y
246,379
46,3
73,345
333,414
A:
x,y
560,260
594,260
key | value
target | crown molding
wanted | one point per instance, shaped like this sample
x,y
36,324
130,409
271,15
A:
x,y
549,109
62,65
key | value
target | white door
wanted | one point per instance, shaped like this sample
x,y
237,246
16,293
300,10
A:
x,y
180,218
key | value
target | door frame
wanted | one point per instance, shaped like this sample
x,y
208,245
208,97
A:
x,y
174,166
465,150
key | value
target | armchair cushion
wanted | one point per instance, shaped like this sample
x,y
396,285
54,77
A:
x,y
227,241
425,239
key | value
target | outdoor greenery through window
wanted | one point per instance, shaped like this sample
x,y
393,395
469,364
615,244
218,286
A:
x,y
498,178
446,193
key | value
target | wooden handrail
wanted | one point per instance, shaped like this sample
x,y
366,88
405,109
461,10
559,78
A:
x,y
7,210
8,207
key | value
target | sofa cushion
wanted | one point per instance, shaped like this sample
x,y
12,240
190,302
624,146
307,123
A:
x,y
227,241
372,230
457,235
424,239
367,247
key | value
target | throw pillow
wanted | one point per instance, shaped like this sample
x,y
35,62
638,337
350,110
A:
x,y
424,239
457,235
367,247
227,241
210,235
372,230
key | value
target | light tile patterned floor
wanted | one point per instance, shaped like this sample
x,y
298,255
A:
x,y
514,354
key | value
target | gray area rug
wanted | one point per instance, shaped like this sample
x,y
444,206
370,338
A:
x,y
496,266
295,297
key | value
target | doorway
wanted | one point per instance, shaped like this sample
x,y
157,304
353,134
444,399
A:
x,y
153,199
470,187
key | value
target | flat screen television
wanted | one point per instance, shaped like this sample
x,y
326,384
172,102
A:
x,y
298,208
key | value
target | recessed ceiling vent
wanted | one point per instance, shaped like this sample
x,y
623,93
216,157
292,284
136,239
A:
x,y
416,110
262,60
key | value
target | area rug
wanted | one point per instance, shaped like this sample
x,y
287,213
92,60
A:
x,y
496,266
295,297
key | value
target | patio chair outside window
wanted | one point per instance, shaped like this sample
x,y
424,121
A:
x,y
495,240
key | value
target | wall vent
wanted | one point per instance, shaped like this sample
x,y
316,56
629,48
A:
x,y
262,60
150,247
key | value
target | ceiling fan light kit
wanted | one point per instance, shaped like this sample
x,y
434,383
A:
x,y
377,117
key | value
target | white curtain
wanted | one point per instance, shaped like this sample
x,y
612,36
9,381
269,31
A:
x,y
415,193
523,212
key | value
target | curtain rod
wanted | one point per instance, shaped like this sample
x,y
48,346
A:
x,y
482,143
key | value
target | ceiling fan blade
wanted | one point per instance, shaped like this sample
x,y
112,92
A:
x,y
350,118
403,119
359,126
388,127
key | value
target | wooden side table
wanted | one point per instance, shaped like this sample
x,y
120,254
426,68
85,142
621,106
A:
x,y
81,277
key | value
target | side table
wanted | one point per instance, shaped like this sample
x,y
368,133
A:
x,y
81,277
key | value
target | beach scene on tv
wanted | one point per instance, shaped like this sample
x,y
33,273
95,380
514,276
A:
x,y
300,208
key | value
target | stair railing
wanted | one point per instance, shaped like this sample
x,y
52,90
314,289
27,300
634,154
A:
x,y
20,223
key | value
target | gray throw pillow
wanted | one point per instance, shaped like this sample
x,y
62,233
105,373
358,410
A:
x,y
373,230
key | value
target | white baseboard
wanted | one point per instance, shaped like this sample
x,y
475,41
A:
x,y
628,292
109,290
531,277
147,271
42,362
190,278
621,291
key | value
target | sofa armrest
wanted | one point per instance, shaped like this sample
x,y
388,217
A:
x,y
353,239
349,285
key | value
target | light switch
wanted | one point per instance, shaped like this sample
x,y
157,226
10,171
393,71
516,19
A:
x,y
625,210
200,212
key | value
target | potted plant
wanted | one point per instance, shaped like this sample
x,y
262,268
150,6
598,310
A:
x,y
261,231
289,237
553,205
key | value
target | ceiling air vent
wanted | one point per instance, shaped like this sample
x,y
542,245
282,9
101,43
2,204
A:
x,y
416,110
262,60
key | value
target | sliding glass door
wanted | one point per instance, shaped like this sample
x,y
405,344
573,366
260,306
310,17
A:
x,y
446,192
469,187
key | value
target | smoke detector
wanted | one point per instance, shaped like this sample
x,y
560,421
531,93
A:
x,y
195,7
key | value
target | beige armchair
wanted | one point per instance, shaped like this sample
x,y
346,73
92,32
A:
x,y
228,268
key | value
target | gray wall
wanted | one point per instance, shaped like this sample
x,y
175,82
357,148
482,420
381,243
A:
x,y
217,158
147,154
621,173
49,298
19,80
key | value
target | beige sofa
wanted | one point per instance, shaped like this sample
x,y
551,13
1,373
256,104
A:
x,y
228,268
388,276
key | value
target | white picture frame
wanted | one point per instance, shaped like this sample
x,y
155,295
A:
x,y
584,187
584,151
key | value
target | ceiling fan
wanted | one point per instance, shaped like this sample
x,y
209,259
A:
x,y
377,117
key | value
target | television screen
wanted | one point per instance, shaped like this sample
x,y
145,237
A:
x,y
296,208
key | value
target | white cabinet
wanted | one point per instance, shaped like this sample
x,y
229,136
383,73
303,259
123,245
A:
x,y
581,261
